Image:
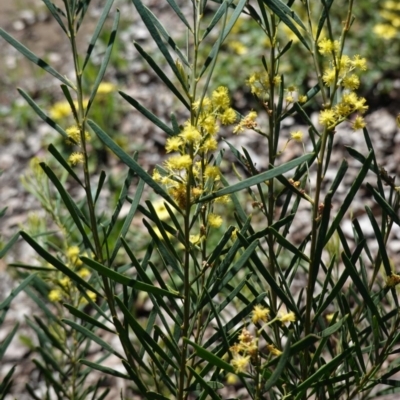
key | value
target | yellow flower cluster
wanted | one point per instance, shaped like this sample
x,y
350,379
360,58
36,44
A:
x,y
244,351
390,12
260,313
342,74
64,289
74,135
192,145
259,83
392,280
248,122
76,158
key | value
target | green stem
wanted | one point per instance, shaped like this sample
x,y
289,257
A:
x,y
89,198
271,159
82,127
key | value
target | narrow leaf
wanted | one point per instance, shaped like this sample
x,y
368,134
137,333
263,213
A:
x,y
148,114
179,13
56,15
128,219
35,59
87,318
6,342
6,303
126,159
160,73
73,209
364,291
42,114
96,33
58,264
204,385
350,196
145,338
104,370
105,61
289,246
92,336
283,359
124,280
210,357
144,13
64,163
287,15
254,180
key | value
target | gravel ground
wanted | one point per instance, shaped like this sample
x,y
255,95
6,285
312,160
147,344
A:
x,y
31,25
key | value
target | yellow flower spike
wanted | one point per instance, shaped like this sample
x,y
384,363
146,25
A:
x,y
326,46
209,123
173,144
260,313
179,194
289,99
74,134
76,158
237,47
234,234
212,172
60,110
214,220
195,239
297,136
190,134
273,350
359,63
84,273
329,76
210,144
55,295
83,300
205,105
156,175
327,117
358,123
228,117
105,88
385,31
72,252
161,210
249,122
360,105
65,282
197,192
342,110
240,363
231,379
345,63
245,336
277,80
392,280
329,317
351,82
92,296
289,317
220,98
302,99
178,162
223,199
350,98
